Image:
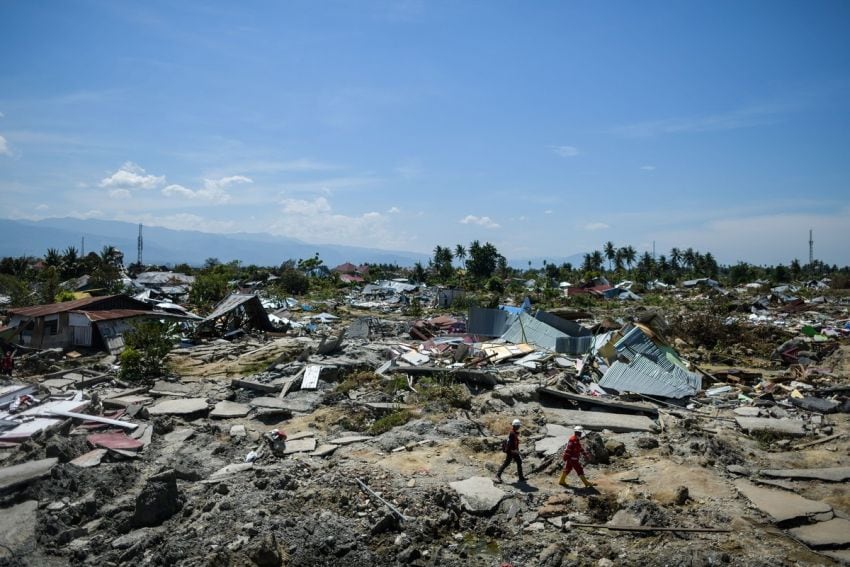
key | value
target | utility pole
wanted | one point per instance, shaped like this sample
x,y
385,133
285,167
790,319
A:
x,y
811,249
139,246
653,250
83,246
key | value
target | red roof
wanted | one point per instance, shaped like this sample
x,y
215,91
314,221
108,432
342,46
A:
x,y
347,268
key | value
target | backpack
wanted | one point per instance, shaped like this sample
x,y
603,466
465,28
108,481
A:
x,y
506,443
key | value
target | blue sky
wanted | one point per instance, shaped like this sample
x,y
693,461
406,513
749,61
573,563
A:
x,y
547,128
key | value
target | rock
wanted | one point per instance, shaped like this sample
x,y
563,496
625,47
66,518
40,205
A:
x,y
647,443
264,551
238,432
128,540
158,500
387,523
478,495
616,448
595,445
682,495
409,555
552,510
550,445
61,448
551,555
17,530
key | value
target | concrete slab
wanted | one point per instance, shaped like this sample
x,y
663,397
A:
x,y
185,406
830,474
238,431
17,530
57,383
594,420
779,505
840,555
324,450
24,473
834,533
306,445
90,459
747,411
348,440
791,427
551,445
300,435
266,402
178,435
478,495
126,401
226,410
555,430
229,471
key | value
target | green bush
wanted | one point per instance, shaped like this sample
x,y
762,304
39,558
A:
x,y
387,422
146,347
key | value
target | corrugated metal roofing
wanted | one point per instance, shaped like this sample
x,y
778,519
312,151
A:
x,y
250,303
643,376
110,314
648,370
527,329
87,304
573,345
488,322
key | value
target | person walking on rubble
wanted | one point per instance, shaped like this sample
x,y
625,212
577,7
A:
x,y
511,448
7,364
571,456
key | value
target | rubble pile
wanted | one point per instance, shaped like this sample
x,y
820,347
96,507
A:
x,y
358,434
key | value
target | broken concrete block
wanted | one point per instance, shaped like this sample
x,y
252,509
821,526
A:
x,y
781,506
478,495
17,530
300,446
830,474
226,410
24,473
185,406
238,432
833,533
158,500
792,427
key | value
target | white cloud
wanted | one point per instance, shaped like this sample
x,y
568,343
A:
x,y
2,115
318,206
548,212
596,226
565,151
42,207
177,191
486,222
213,189
119,194
523,218
4,147
394,210
315,221
648,167
132,176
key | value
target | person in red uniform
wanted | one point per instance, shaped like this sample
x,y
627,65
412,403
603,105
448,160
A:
x,y
571,455
511,446
7,364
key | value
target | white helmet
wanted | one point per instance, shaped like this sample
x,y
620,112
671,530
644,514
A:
x,y
516,423
578,429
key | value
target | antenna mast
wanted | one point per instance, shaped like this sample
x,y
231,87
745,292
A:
x,y
811,249
139,247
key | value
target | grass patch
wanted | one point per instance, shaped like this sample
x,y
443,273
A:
x,y
389,421
356,380
443,389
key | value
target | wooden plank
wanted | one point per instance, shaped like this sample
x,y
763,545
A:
x,y
252,385
311,377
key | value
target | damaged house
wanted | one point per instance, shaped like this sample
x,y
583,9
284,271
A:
x,y
93,322
236,313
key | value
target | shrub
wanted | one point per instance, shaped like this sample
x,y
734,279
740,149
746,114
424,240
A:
x,y
387,422
146,347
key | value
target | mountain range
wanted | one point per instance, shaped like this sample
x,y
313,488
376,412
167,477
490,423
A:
x,y
163,246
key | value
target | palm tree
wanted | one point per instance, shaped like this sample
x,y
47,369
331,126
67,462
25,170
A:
x,y
460,253
598,261
53,258
610,253
675,258
619,257
688,257
629,256
70,261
